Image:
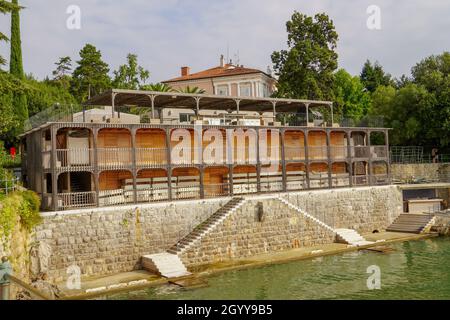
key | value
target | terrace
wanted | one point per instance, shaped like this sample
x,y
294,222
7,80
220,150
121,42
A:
x,y
102,156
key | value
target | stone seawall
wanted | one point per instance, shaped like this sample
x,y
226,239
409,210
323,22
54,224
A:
x,y
110,240
442,225
244,234
428,171
363,209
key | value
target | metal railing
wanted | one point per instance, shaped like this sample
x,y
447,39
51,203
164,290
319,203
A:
x,y
294,153
186,192
244,188
216,190
76,200
339,152
152,193
114,197
8,185
114,157
76,157
151,156
360,180
318,152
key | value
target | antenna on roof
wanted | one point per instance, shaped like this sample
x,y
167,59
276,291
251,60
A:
x,y
228,51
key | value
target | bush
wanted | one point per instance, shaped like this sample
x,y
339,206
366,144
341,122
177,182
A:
x,y
19,204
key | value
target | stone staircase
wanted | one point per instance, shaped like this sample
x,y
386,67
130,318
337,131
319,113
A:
x,y
351,237
166,264
348,236
206,226
412,223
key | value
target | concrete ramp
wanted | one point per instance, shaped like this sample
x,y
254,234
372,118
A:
x,y
351,237
166,264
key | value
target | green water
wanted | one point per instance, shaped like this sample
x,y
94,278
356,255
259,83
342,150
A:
x,y
415,270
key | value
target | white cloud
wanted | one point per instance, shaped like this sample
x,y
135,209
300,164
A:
x,y
169,34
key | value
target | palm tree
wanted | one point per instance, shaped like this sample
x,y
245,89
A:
x,y
159,87
5,7
188,89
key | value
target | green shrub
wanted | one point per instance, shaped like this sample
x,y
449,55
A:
x,y
19,204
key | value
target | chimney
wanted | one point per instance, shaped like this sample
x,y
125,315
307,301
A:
x,y
222,64
184,71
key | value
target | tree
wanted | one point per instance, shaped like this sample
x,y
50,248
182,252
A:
x,y
5,7
305,69
159,87
131,75
373,76
62,72
193,90
90,77
19,102
351,98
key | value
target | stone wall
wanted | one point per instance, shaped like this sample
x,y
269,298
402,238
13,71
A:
x,y
110,240
243,235
363,209
442,225
428,171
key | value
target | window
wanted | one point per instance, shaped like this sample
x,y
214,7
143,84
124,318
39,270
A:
x,y
222,90
245,90
185,118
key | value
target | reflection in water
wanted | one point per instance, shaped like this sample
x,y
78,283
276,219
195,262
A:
x,y
415,270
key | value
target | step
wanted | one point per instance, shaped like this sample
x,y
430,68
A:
x,y
167,264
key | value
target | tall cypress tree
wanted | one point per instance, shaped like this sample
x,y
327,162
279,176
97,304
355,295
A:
x,y
16,66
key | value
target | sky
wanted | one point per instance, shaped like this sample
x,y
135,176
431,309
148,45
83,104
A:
x,y
168,34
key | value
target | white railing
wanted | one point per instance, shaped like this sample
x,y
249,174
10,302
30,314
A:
x,y
114,197
151,156
114,157
76,200
186,192
150,194
318,180
379,151
271,186
74,157
244,188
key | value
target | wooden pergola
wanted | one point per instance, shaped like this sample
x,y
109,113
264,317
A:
x,y
197,102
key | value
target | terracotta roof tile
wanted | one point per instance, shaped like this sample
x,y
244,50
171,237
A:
x,y
227,70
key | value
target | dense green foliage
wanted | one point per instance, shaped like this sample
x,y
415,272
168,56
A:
x,y
372,76
22,206
19,99
306,68
5,7
188,89
90,77
131,75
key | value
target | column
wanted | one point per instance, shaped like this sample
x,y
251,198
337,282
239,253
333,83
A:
x,y
230,158
169,164
96,170
283,161
54,175
370,156
307,166
133,162
349,157
258,163
388,156
329,162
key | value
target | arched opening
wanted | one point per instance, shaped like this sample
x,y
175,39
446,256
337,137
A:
x,y
214,146
360,173
115,187
152,185
244,180
75,190
294,145
271,178
114,148
296,176
378,148
340,176
358,142
74,148
216,182
186,183
318,175
317,145
338,145
380,173
269,147
151,147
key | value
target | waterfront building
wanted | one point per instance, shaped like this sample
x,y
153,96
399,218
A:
x,y
118,151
